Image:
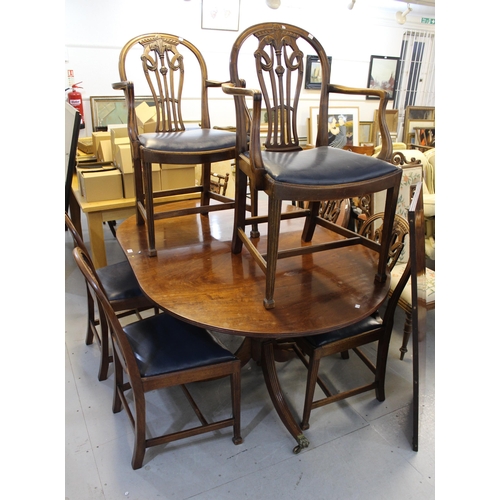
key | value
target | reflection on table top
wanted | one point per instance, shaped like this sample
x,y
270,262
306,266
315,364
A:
x,y
196,278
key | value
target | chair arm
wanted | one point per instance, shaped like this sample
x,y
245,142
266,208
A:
x,y
128,90
242,116
214,83
386,151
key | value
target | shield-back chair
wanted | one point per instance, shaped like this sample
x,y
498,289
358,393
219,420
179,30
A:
x,y
267,64
168,67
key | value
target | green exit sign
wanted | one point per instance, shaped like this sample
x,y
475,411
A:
x,y
428,20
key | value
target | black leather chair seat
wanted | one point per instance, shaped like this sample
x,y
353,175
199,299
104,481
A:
x,y
163,344
344,333
119,281
189,140
323,166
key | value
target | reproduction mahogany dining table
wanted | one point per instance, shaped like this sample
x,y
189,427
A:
x,y
197,279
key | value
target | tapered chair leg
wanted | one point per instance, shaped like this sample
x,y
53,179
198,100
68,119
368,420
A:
x,y
310,224
148,186
205,182
118,385
89,338
406,336
140,432
239,211
274,219
236,396
312,377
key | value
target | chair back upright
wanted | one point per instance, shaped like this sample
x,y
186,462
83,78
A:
x,y
279,61
78,242
372,228
165,58
121,346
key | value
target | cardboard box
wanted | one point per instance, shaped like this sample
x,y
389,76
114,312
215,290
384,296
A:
x,y
146,118
123,159
100,184
97,137
129,185
118,131
104,151
177,176
86,145
122,142
119,135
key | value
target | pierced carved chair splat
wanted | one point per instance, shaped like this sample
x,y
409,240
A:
x,y
169,67
267,68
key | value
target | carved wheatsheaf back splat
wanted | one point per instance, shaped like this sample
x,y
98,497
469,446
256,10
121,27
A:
x,y
168,64
280,70
163,68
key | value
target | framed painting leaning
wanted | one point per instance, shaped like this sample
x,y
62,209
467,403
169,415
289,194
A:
x,y
343,126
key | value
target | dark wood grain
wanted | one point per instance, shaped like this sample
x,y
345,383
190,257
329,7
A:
x,y
196,278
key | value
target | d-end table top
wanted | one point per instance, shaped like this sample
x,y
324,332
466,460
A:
x,y
196,278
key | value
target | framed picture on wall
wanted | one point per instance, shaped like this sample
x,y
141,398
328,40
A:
x,y
343,126
383,74
220,15
313,72
111,110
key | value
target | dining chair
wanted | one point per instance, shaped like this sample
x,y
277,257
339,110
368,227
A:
x,y
123,292
281,167
169,67
399,247
159,352
219,182
375,328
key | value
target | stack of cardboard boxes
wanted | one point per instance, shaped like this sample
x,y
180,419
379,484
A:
x,y
113,177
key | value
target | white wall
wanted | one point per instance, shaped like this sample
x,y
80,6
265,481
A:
x,y
97,29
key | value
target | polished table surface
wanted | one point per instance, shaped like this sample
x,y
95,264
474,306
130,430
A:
x,y
196,278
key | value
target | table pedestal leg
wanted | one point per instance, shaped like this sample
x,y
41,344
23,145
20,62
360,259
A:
x,y
277,396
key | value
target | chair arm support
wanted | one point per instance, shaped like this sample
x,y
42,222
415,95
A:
x,y
213,83
128,90
242,115
386,151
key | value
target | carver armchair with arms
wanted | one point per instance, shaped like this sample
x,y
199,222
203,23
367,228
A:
x,y
170,66
123,292
282,169
158,352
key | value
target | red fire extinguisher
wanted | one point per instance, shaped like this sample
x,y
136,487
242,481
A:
x,y
75,99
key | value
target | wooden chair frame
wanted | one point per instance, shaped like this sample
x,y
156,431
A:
x,y
279,66
163,63
311,351
97,328
139,384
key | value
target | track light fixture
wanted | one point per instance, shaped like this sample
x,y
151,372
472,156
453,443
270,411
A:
x,y
401,17
351,4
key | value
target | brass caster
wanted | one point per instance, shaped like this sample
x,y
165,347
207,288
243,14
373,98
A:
x,y
303,443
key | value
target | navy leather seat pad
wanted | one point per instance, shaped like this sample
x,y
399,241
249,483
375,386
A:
x,y
164,344
363,326
189,140
323,166
119,281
